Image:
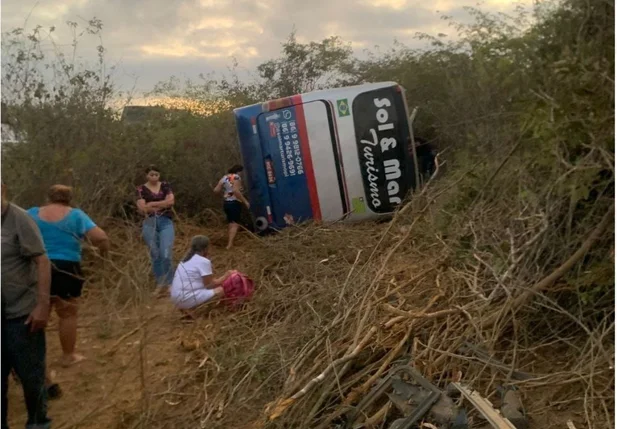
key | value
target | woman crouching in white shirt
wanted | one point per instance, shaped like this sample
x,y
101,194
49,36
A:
x,y
194,283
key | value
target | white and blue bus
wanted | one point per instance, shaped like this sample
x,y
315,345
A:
x,y
327,155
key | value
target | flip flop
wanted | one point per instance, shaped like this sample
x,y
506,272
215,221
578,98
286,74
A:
x,y
76,360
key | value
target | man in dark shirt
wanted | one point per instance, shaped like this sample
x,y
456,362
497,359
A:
x,y
25,282
426,157
425,153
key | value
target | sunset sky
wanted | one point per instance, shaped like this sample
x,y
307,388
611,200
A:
x,y
148,41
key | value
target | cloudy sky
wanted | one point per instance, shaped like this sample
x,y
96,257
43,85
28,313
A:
x,y
150,40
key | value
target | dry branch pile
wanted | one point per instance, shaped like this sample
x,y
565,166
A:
x,y
337,306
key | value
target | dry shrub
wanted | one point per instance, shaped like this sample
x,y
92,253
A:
x,y
349,301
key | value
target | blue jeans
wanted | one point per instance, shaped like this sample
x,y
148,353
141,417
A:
x,y
24,352
158,233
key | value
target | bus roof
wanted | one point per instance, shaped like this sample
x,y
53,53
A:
x,y
332,93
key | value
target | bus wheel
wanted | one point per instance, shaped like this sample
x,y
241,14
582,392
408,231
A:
x,y
261,223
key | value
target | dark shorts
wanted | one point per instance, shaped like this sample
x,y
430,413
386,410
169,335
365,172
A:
x,y
233,211
67,279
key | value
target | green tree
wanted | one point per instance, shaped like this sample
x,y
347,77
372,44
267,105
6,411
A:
x,y
305,67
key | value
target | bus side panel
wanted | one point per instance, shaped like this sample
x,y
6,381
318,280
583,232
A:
x,y
364,161
330,192
358,209
283,152
252,158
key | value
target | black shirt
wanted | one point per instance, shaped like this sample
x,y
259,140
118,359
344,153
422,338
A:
x,y
143,193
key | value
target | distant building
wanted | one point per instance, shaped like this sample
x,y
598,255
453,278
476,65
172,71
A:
x,y
140,114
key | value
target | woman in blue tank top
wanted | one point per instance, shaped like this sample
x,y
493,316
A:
x,y
63,228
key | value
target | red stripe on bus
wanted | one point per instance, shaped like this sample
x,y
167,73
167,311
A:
x,y
307,159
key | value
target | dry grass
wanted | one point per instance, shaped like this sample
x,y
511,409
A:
x,y
335,307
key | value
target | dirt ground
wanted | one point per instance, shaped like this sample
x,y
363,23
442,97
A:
x,y
107,388
137,351
97,391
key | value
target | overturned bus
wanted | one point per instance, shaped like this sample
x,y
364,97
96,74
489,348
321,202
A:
x,y
327,155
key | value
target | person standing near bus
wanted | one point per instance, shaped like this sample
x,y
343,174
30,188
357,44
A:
x,y
155,200
425,155
63,228
26,278
231,186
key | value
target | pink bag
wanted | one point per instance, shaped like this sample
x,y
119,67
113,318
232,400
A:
x,y
237,288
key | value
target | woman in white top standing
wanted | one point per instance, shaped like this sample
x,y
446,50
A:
x,y
194,283
231,185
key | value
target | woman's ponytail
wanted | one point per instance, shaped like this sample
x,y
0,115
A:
x,y
199,243
188,255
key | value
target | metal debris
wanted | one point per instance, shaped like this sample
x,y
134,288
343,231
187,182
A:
x,y
411,393
512,406
485,408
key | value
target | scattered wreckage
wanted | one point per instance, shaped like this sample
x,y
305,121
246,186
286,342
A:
x,y
416,402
